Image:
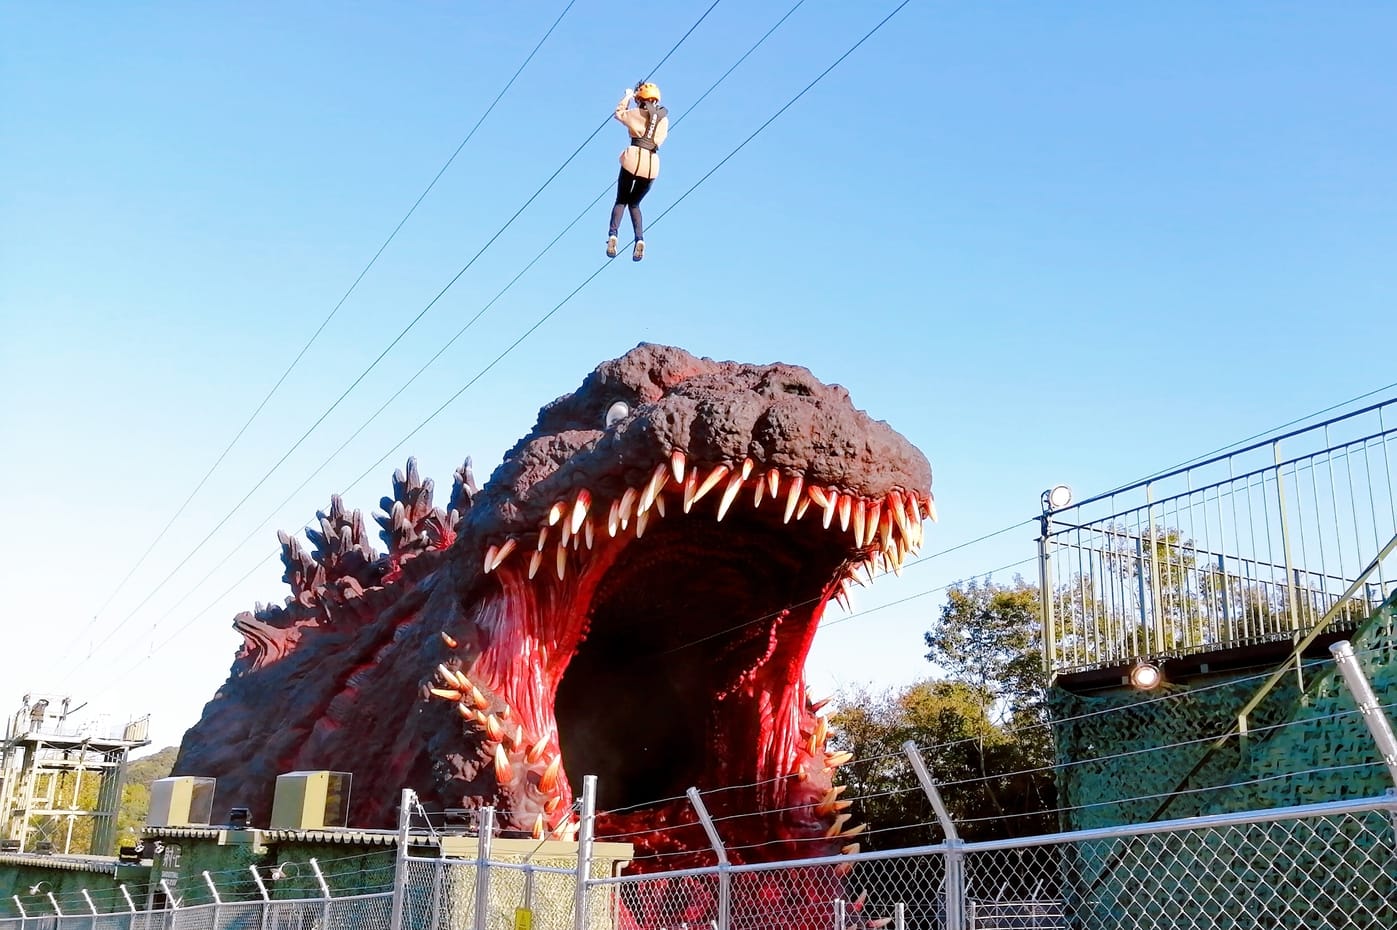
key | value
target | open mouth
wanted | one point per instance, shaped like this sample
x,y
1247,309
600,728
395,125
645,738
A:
x,y
655,636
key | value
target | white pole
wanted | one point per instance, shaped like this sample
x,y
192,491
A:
x,y
724,879
584,851
1378,724
90,906
400,872
484,834
127,894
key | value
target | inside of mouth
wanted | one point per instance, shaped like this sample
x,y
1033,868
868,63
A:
x,y
653,701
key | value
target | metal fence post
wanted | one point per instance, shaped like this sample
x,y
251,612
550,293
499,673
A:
x,y
131,918
1045,597
485,832
395,921
839,917
900,916
19,905
955,856
90,906
266,898
585,834
217,901
324,893
1378,725
724,878
54,901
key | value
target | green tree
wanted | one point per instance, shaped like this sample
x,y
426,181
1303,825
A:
x,y
977,725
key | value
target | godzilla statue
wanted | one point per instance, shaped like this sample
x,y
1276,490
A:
x,y
632,595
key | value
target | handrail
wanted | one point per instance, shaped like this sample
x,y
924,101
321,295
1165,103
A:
x,y
1226,455
1240,727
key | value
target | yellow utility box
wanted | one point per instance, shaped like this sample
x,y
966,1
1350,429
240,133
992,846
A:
x,y
181,801
311,801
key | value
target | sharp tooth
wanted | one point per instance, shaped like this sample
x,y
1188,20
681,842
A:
x,y
853,831
562,561
465,711
628,500
538,827
718,473
885,530
555,513
821,731
773,482
489,562
818,495
858,522
552,803
492,726
446,694
517,738
478,697
758,487
640,521
587,533
868,570
851,850
676,462
447,675
835,759
915,503
542,537
535,752
613,518
931,508
660,504
747,466
875,510
730,492
503,553
841,806
503,770
793,497
826,805
842,599
549,780
446,638
817,706
846,509
899,515
690,487
652,489
845,869
839,822
831,505
535,561
565,536
580,507
803,506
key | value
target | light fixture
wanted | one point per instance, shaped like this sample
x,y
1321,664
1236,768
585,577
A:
x,y
1057,497
1144,676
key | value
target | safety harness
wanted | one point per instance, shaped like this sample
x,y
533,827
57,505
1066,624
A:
x,y
646,140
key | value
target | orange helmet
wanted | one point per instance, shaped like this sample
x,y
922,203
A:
x,y
648,91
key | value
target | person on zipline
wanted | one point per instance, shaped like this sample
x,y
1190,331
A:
x,y
648,125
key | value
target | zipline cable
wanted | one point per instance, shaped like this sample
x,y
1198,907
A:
x,y
372,365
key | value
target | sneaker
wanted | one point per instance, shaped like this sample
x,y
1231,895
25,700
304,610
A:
x,y
610,246
639,252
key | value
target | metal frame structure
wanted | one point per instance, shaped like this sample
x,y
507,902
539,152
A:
x,y
1247,550
46,760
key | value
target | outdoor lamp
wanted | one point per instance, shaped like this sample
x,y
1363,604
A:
x,y
1057,497
1144,676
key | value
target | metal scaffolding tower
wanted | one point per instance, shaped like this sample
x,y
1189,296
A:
x,y
49,763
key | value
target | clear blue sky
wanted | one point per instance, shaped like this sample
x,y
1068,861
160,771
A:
x,y
1048,242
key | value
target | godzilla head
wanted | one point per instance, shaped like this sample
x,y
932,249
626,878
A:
x,y
636,590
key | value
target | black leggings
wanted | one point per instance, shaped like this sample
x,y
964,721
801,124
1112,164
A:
x,y
630,191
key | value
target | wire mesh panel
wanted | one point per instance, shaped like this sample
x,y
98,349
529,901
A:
x,y
1243,548
857,891
369,912
194,918
1322,872
548,894
654,901
240,916
293,915
117,922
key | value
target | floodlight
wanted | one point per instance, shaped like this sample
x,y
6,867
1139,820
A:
x,y
1057,497
1144,676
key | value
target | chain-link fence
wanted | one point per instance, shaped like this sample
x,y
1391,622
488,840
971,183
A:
x,y
1297,868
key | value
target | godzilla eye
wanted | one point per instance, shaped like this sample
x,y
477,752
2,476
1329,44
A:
x,y
616,413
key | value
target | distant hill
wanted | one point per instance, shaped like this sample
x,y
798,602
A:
x,y
135,800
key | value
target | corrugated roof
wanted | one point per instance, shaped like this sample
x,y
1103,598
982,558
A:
x,y
102,865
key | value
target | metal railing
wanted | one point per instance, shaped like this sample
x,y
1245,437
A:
x,y
1248,547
